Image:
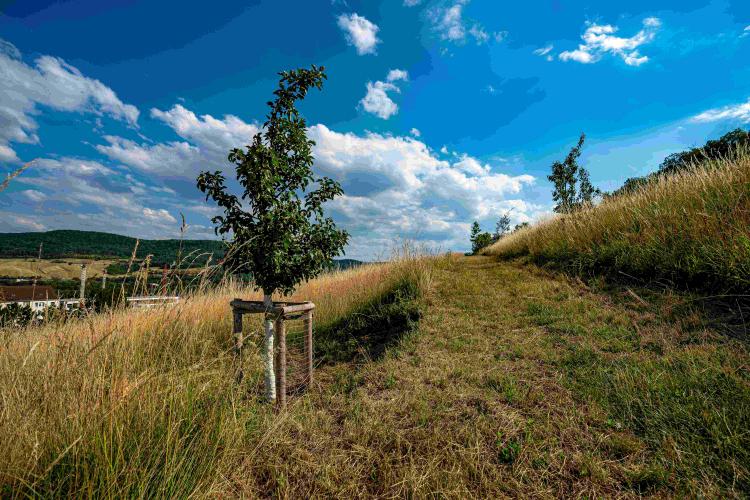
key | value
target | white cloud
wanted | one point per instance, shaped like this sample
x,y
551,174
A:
x,y
207,142
53,83
397,74
75,193
450,25
412,3
600,39
34,195
545,52
745,32
415,132
739,112
359,32
396,186
412,192
158,215
449,22
377,101
14,222
479,34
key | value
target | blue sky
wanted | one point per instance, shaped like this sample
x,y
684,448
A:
x,y
435,112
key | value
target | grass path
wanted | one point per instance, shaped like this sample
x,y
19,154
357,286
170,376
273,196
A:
x,y
519,383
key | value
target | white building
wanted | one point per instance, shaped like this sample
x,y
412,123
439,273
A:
x,y
37,297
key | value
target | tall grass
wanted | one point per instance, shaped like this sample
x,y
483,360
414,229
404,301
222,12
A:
x,y
690,229
142,403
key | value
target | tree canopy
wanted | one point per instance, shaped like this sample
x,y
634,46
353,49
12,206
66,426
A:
x,y
280,232
723,147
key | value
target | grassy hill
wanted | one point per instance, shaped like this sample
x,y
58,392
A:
x,y
690,230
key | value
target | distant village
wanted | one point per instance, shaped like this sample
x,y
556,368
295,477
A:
x,y
27,294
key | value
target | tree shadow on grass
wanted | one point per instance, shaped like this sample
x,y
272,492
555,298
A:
x,y
368,331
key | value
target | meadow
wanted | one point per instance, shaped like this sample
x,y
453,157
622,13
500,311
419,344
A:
x,y
143,402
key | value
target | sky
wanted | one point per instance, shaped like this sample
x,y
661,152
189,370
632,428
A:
x,y
435,113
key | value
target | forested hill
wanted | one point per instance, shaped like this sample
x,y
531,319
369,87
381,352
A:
x,y
71,243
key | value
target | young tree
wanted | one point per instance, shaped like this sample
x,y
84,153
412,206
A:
x,y
479,239
280,234
572,187
502,226
475,230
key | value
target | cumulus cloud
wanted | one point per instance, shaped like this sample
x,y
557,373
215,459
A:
x,y
600,39
415,132
449,23
158,215
395,75
397,187
377,101
206,142
740,112
53,83
359,32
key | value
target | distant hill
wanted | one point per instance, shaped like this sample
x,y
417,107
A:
x,y
91,244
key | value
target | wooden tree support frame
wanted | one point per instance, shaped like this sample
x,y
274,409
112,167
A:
x,y
280,312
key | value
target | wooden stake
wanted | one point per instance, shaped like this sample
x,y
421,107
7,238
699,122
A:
x,y
281,370
308,324
238,341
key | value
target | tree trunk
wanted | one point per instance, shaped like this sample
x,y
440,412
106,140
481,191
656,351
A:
x,y
268,351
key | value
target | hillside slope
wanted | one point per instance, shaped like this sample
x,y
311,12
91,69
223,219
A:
x,y
690,230
515,383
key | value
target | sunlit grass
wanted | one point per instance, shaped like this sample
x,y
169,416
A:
x,y
143,402
691,229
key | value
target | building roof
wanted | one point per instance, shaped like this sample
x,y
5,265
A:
x,y
26,293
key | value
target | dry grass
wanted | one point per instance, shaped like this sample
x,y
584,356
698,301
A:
x,y
517,383
690,229
141,403
51,269
12,175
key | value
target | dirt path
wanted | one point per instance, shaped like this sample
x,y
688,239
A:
x,y
519,383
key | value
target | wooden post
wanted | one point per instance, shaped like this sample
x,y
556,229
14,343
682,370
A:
x,y
308,323
281,366
238,341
